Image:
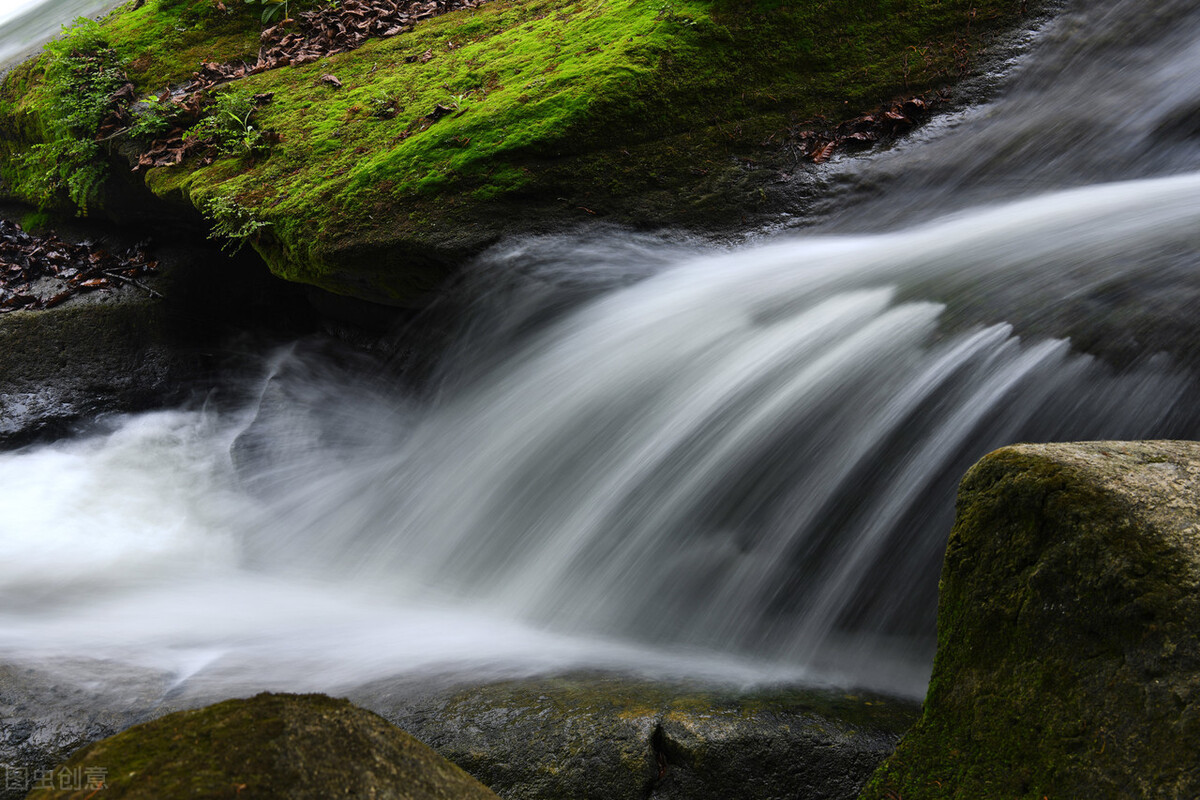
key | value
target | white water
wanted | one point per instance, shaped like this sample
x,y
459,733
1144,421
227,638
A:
x,y
741,467
26,24
744,463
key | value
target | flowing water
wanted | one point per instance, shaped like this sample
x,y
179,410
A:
x,y
26,24
648,454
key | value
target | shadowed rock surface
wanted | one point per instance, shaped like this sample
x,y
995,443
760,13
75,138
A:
x,y
134,345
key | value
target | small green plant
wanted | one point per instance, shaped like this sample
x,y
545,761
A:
x,y
82,75
232,222
229,124
76,167
272,9
153,118
384,105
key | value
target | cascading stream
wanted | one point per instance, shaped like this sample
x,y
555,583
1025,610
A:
x,y
739,452
657,456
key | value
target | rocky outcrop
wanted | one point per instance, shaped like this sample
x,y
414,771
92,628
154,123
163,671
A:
x,y
605,738
1068,663
135,345
268,746
374,172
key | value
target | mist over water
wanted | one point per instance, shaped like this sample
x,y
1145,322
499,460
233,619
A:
x,y
26,24
647,454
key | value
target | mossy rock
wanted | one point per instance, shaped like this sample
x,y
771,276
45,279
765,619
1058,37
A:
x,y
600,738
269,746
1068,664
642,113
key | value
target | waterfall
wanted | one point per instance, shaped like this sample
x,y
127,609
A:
x,y
754,451
656,455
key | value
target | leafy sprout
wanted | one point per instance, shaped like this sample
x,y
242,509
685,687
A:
x,y
232,222
272,9
230,124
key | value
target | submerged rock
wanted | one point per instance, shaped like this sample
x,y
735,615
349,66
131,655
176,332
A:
x,y
48,712
1068,663
269,746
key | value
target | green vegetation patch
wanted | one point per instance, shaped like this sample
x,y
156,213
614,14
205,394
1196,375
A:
x,y
164,42
442,139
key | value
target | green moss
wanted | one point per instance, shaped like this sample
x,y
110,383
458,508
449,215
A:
x,y
165,42
296,746
1065,652
562,109
79,74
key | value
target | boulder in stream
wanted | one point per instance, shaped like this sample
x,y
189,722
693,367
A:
x,y
268,746
1068,663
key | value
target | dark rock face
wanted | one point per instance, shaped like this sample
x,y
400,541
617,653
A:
x,y
62,364
269,746
605,738
134,346
583,736
1068,663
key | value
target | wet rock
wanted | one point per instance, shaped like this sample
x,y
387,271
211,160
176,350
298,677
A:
x,y
48,713
133,344
578,736
607,738
268,746
1068,663
60,365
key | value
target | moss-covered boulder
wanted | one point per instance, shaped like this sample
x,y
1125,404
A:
x,y
386,165
601,738
1068,661
269,746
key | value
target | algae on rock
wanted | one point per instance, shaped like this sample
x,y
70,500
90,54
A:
x,y
680,113
595,737
268,746
1068,663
